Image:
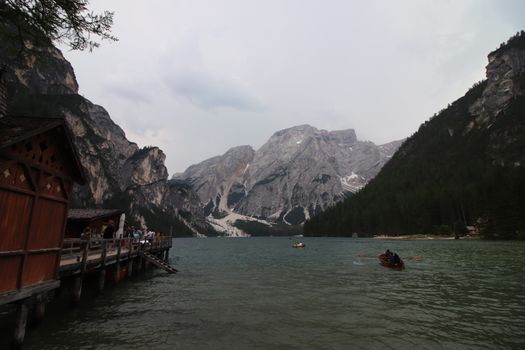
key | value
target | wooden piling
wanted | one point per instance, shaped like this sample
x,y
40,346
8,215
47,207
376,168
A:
x,y
139,261
77,286
77,289
130,259
20,325
102,273
130,267
39,312
39,308
116,277
101,280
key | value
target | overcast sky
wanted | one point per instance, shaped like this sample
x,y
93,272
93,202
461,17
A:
x,y
198,77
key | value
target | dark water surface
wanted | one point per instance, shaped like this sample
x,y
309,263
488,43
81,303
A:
x,y
259,293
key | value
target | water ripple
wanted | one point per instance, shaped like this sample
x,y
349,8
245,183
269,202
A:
x,y
260,293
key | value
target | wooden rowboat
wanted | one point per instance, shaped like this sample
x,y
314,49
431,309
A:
x,y
383,259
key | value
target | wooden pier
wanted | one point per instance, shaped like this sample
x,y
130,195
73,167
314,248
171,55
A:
x,y
79,256
111,259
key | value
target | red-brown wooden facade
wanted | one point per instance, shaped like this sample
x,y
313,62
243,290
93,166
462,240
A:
x,y
38,166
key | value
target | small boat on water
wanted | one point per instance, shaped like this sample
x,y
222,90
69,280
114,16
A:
x,y
386,262
298,245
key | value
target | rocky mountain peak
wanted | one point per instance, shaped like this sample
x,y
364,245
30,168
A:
x,y
244,152
287,140
295,130
505,75
296,173
40,69
213,176
344,137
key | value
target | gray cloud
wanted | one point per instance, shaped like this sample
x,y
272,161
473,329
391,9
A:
x,y
209,92
132,92
197,77
187,75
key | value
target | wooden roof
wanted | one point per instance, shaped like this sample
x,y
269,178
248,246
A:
x,y
90,214
14,129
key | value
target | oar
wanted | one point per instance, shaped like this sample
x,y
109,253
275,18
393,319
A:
x,y
366,256
416,258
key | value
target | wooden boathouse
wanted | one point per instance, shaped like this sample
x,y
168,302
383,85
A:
x,y
38,167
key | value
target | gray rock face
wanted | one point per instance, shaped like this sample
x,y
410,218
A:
x,y
43,70
505,83
213,178
120,174
296,173
503,71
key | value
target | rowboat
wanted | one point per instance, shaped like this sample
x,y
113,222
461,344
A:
x,y
383,259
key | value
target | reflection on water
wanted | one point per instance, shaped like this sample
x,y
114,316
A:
x,y
260,293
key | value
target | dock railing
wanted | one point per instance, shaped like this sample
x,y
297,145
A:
x,y
83,252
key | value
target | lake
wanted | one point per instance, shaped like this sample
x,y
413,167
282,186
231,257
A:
x,y
260,293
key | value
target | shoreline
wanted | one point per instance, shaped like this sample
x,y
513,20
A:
x,y
421,237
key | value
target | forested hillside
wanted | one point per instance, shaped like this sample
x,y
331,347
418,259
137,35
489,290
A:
x,y
463,167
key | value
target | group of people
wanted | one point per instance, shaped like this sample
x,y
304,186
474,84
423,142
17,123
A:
x,y
393,258
108,232
142,234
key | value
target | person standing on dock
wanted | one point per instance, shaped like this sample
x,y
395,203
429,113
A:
x,y
86,233
109,230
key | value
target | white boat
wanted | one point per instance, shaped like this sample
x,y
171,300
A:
x,y
298,245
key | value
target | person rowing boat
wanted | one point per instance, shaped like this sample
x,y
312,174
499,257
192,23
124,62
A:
x,y
392,260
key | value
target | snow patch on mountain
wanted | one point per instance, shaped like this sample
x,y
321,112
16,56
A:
x,y
353,182
226,225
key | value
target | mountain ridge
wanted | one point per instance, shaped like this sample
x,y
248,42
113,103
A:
x,y
298,171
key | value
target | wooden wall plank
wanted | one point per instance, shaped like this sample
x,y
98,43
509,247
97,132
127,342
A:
x,y
48,223
15,211
38,268
9,267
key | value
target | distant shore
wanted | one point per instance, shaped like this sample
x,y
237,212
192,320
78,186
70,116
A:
x,y
421,237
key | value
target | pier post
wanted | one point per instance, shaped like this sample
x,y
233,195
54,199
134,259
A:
x,y
116,278
85,251
40,308
139,259
139,264
20,325
130,267
58,292
101,280
40,311
102,273
117,273
77,289
77,286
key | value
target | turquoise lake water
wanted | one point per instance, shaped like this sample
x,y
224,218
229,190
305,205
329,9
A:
x,y
260,293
